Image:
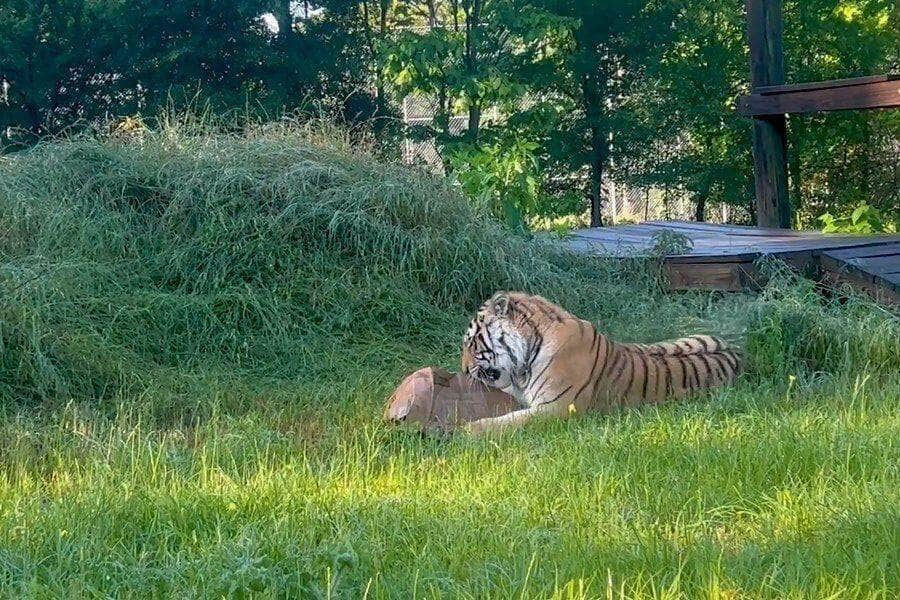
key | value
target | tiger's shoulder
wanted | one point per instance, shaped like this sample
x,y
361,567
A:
x,y
533,307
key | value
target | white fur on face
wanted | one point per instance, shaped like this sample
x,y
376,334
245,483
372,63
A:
x,y
497,350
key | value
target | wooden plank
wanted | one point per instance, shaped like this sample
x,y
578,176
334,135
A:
x,y
767,90
875,95
764,30
729,230
625,239
883,294
829,263
773,208
730,276
713,245
887,249
698,259
722,260
877,265
820,243
861,272
779,248
611,239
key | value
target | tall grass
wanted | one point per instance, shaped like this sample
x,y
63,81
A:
x,y
199,325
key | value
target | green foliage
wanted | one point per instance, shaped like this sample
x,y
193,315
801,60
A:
x,y
793,330
71,60
490,62
262,251
502,176
668,243
305,495
638,90
53,54
863,219
424,63
842,160
560,226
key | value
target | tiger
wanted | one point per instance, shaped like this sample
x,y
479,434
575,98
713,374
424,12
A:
x,y
555,364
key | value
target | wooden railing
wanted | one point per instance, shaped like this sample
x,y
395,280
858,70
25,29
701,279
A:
x,y
771,100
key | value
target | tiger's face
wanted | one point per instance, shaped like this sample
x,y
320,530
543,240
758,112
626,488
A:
x,y
492,346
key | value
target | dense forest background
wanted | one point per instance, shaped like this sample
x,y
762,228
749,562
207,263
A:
x,y
555,95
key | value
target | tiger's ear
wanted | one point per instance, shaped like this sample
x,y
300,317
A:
x,y
500,306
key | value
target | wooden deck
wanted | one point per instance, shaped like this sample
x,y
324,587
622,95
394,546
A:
x,y
722,256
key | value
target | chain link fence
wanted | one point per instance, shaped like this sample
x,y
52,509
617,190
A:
x,y
625,204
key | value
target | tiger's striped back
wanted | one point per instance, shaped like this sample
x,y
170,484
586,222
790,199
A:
x,y
546,357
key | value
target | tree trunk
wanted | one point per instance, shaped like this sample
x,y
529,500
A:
x,y
432,13
373,58
284,18
35,119
474,121
702,198
367,28
473,15
381,101
700,209
442,120
443,112
596,187
599,145
667,214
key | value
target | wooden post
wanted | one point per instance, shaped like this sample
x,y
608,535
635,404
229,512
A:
x,y
764,29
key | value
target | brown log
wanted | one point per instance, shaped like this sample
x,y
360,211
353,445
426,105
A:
x,y
435,400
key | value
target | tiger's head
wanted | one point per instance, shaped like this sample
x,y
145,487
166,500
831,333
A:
x,y
494,345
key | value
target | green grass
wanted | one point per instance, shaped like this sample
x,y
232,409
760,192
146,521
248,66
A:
x,y
199,330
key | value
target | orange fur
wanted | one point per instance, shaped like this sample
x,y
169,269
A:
x,y
554,363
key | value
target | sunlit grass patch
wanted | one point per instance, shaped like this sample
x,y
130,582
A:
x,y
787,495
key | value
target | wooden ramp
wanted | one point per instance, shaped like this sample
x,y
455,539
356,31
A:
x,y
721,256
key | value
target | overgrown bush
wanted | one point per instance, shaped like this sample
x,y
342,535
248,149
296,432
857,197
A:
x,y
793,329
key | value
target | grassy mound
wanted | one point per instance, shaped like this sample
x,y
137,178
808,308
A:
x,y
265,251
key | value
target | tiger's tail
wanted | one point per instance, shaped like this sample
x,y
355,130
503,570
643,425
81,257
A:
x,y
679,368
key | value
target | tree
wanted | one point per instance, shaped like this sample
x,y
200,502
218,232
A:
x,y
54,57
839,161
612,45
488,62
65,60
685,105
702,147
